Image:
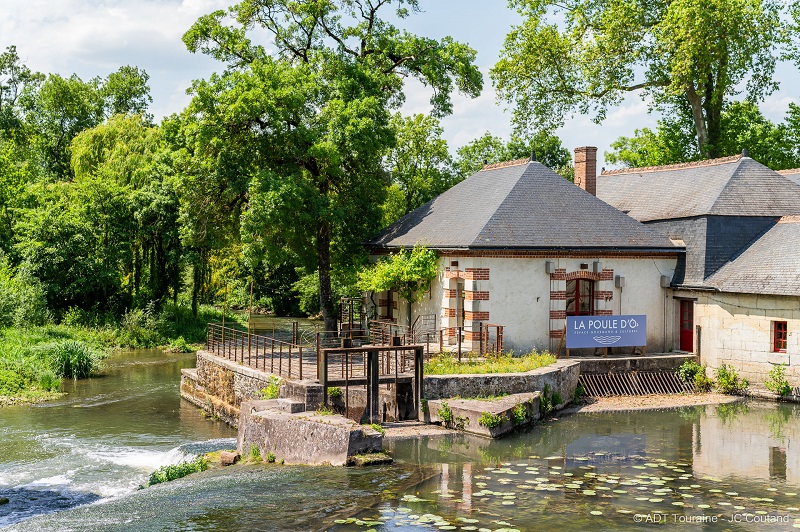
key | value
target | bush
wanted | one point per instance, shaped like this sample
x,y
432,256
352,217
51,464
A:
x,y
334,392
72,359
519,414
728,380
490,420
11,382
273,389
688,370
777,382
702,383
172,472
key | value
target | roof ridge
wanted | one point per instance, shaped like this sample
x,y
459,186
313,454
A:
x,y
789,171
675,166
505,164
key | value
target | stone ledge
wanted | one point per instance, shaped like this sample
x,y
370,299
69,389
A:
x,y
304,438
467,412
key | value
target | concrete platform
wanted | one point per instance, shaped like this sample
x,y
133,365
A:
x,y
655,362
466,414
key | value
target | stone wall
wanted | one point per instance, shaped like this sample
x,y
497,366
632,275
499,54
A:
x,y
219,386
561,377
736,329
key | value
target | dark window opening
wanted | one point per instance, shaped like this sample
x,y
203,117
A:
x,y
580,297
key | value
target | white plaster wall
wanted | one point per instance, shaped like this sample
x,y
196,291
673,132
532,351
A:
x,y
519,296
736,329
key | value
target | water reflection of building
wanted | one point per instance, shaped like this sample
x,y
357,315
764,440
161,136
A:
x,y
757,442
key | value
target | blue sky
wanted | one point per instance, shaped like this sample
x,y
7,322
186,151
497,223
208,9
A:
x,y
95,37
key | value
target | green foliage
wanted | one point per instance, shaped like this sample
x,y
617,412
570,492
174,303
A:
x,y
728,380
445,413
556,398
71,359
22,300
255,453
270,457
727,413
418,164
519,414
343,284
334,392
490,149
172,472
580,392
323,410
776,381
490,420
11,382
580,56
545,400
179,345
273,389
688,370
408,272
447,364
377,427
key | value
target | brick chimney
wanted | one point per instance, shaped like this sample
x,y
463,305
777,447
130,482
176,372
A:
x,y
586,169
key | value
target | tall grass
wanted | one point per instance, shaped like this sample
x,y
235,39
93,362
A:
x,y
447,364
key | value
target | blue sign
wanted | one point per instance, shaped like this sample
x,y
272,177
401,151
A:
x,y
606,331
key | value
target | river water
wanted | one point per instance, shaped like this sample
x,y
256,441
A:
x,y
75,464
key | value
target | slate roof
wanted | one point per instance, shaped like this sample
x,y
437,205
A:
x,y
792,174
771,265
731,186
520,205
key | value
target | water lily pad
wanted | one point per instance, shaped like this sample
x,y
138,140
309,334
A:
x,y
703,506
596,512
678,503
589,492
656,500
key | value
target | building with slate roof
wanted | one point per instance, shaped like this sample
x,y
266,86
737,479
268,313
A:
x,y
737,289
522,247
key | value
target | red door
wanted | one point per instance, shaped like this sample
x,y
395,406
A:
x,y
687,326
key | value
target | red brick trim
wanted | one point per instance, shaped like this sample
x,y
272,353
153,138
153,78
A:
x,y
555,333
583,274
558,314
452,274
449,313
604,312
607,275
472,335
559,275
450,294
558,295
476,274
475,296
607,295
476,316
520,254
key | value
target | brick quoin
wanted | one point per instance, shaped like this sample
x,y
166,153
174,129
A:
x,y
450,313
476,316
558,314
452,274
559,275
604,312
450,294
558,294
476,296
555,334
472,335
476,274
608,295
607,275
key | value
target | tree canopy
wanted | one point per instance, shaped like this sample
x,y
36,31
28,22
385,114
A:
x,y
679,55
488,149
311,112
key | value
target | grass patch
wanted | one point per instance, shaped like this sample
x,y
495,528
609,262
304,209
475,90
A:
x,y
172,472
447,364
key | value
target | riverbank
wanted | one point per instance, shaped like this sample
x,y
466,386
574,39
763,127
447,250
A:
x,y
651,402
32,359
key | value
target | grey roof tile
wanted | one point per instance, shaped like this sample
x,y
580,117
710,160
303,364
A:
x,y
734,186
770,265
522,205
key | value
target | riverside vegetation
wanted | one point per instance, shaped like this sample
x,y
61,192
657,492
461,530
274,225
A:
x,y
447,364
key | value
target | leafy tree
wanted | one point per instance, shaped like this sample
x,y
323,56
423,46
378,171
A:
x,y
16,80
488,149
585,56
742,127
419,165
126,92
313,118
408,272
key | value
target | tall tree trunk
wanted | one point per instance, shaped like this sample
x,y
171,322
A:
x,y
712,105
324,265
696,104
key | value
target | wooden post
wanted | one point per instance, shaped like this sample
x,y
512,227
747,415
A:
x,y
562,340
323,376
458,332
418,382
373,392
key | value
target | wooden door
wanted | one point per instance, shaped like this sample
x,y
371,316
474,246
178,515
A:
x,y
687,326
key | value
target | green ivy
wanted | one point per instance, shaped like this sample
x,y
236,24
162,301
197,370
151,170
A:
x,y
408,272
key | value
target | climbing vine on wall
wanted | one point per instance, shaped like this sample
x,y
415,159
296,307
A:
x,y
408,272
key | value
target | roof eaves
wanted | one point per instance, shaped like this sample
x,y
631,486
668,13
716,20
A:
x,y
676,166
